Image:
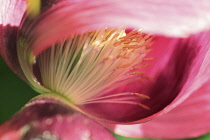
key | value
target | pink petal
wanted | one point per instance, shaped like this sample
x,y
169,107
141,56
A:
x,y
175,68
47,31
169,62
44,34
48,119
176,71
11,12
170,18
190,119
163,51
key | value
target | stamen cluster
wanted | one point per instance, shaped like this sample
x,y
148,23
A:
x,y
86,66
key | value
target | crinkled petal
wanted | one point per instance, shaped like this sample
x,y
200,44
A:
x,y
49,119
189,119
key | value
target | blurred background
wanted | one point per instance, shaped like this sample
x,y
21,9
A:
x,y
15,93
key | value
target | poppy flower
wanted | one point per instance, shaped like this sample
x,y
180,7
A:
x,y
119,63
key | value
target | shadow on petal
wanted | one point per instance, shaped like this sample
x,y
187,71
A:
x,y
49,119
169,80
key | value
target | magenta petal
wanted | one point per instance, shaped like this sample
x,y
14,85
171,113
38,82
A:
x,y
190,119
11,12
176,18
179,66
170,18
48,119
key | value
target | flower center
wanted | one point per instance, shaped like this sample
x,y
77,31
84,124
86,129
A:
x,y
86,66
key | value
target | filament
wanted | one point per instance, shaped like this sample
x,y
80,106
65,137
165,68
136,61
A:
x,y
86,66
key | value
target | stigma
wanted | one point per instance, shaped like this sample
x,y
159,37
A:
x,y
84,67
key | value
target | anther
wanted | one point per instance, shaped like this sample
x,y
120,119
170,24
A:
x,y
147,77
144,106
140,66
145,51
132,47
147,58
147,37
126,41
124,66
123,56
137,73
107,58
117,43
141,95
